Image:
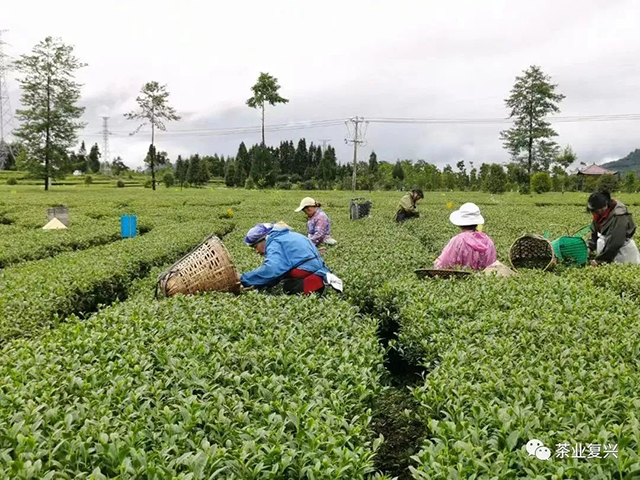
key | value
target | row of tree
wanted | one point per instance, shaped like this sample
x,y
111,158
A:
x,y
65,163
50,120
311,167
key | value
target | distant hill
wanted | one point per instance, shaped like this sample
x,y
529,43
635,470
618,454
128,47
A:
x,y
630,163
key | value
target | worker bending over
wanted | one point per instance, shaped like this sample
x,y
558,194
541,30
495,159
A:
x,y
612,230
318,223
407,206
288,257
470,248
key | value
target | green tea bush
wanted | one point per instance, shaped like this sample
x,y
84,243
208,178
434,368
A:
x,y
21,245
40,294
120,184
194,388
12,181
266,386
536,356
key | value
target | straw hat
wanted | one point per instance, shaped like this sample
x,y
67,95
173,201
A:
x,y
306,202
468,214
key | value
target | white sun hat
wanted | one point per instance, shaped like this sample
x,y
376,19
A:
x,y
468,214
306,202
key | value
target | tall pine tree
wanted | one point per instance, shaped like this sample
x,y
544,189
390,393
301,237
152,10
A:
x,y
301,158
230,174
93,160
81,158
287,154
398,172
243,161
328,167
533,97
49,115
154,110
181,170
203,173
193,171
265,91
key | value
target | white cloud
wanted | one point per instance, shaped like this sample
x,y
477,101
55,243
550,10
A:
x,y
339,59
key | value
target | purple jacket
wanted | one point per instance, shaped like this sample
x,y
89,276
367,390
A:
x,y
319,227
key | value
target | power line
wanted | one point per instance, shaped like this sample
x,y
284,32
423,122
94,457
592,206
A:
x,y
253,129
483,121
212,132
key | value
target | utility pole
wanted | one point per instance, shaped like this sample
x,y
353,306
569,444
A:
x,y
357,139
105,139
6,114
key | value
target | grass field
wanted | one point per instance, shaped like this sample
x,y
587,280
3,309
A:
x,y
397,377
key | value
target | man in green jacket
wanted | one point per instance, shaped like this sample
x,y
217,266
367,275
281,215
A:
x,y
407,206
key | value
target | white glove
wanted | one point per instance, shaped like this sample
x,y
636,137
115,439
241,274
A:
x,y
335,282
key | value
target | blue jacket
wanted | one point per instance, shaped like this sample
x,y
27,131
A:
x,y
284,251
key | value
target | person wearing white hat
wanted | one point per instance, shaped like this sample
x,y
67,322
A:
x,y
318,223
470,248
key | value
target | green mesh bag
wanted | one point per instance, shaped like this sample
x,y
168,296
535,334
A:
x,y
572,249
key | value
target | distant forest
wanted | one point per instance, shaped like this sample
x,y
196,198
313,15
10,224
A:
x,y
290,166
309,167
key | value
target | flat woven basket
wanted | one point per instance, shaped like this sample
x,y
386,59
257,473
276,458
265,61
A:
x,y
208,267
532,251
441,273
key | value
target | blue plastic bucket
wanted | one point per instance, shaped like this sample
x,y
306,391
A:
x,y
128,226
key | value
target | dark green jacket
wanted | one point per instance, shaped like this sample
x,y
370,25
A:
x,y
616,229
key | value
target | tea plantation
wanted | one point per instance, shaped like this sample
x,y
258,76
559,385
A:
x,y
397,377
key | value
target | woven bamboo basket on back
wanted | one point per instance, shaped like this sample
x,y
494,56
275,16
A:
x,y
532,251
206,268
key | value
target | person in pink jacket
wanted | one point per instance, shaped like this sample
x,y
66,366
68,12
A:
x,y
470,248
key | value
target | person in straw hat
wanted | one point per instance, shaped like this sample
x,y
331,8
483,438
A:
x,y
288,257
318,223
470,248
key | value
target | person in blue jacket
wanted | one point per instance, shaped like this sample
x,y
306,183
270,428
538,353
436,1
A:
x,y
288,257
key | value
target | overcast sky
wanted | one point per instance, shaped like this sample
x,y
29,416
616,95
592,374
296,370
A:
x,y
337,59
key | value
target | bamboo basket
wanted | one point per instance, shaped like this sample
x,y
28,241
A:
x,y
532,251
208,267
